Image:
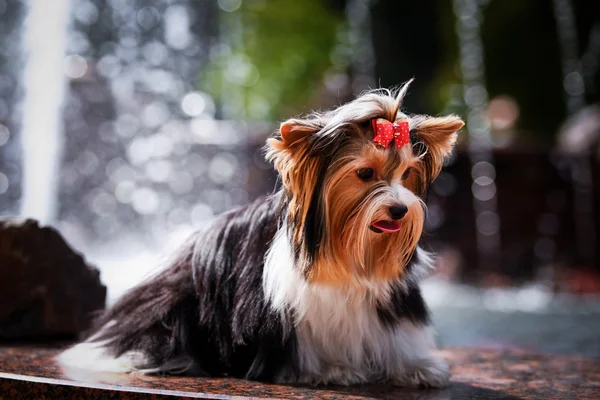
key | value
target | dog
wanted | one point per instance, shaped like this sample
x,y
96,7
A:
x,y
314,284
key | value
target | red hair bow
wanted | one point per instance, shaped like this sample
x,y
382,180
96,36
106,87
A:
x,y
385,132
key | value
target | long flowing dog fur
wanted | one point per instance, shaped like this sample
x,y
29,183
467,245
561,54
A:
x,y
297,287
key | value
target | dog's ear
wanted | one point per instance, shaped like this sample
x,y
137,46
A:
x,y
290,151
437,136
290,135
293,130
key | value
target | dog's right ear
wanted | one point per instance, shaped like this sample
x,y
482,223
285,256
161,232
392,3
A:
x,y
290,135
293,130
291,150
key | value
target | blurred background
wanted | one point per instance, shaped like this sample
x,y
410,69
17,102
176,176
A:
x,y
129,123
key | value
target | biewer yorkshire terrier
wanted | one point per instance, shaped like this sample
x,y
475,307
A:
x,y
315,284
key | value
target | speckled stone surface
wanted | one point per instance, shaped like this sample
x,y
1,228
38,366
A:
x,y
29,372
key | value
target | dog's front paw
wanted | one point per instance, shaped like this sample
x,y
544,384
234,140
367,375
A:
x,y
428,372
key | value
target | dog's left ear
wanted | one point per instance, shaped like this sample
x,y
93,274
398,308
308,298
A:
x,y
438,135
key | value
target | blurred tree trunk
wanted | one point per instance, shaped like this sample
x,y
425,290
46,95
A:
x,y
406,45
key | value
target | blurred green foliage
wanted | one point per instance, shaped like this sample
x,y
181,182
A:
x,y
276,55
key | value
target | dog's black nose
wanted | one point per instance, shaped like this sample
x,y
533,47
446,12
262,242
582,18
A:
x,y
398,211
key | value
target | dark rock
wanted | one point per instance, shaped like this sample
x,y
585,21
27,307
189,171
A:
x,y
46,288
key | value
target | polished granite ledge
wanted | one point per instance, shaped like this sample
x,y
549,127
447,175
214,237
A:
x,y
29,372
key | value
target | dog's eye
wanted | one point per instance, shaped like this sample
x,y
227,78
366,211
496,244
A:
x,y
365,173
406,174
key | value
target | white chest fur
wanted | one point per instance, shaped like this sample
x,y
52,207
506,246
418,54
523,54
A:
x,y
340,337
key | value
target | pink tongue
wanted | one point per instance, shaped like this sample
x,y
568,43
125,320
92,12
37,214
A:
x,y
387,226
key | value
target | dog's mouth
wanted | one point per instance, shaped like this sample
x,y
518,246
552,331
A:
x,y
385,226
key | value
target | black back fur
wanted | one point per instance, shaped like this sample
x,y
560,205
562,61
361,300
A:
x,y
206,314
